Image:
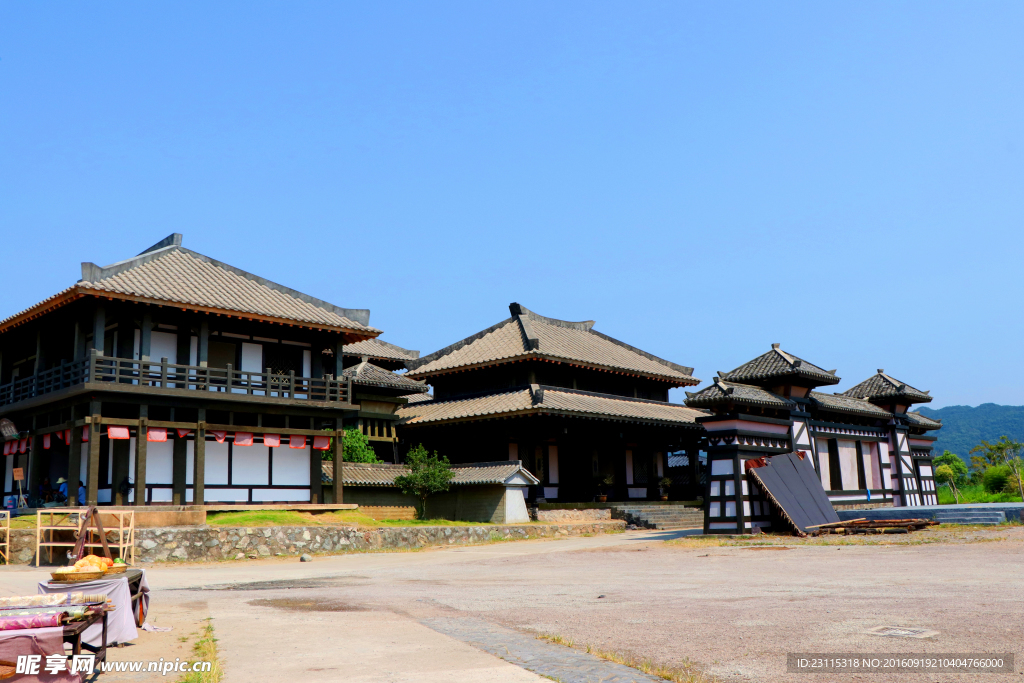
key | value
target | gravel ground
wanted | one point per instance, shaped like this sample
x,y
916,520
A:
x,y
734,609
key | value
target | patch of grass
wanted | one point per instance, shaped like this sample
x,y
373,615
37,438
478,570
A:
x,y
975,493
24,523
262,518
205,650
688,672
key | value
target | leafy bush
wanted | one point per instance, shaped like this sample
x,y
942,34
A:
x,y
428,474
956,465
995,478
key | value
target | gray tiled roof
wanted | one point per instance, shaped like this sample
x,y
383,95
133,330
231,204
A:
x,y
847,404
377,348
528,335
919,420
543,400
722,392
881,385
778,364
420,398
475,474
368,374
179,276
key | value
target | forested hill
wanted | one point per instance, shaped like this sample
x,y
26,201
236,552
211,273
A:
x,y
964,427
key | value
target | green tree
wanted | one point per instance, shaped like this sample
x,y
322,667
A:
x,y
945,475
356,448
955,464
1005,453
996,478
428,474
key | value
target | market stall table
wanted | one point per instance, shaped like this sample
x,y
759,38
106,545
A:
x,y
36,641
128,604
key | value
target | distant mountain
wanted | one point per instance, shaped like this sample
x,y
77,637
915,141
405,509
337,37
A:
x,y
964,427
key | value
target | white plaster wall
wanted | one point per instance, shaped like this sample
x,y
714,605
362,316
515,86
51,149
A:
x,y
284,495
823,466
291,467
515,507
250,465
848,464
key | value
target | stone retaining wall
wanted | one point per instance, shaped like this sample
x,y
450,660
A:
x,y
202,543
573,515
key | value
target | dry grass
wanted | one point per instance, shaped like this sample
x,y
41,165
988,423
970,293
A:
x,y
688,672
946,533
205,650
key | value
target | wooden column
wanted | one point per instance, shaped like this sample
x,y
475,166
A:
x,y
121,451
316,486
178,469
199,469
92,481
146,336
141,448
99,328
339,453
204,344
74,462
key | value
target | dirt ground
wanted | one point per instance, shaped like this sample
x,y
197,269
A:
x,y
733,608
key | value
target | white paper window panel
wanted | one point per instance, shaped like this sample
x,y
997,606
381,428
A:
x,y
746,508
730,508
925,470
163,345
715,510
757,508
722,525
551,492
823,464
291,466
110,460
719,467
252,357
746,490
103,495
629,467
160,463
637,493
730,488
222,495
131,460
552,465
848,464
193,351
307,363
9,474
250,465
216,463
872,474
716,489
283,495
163,495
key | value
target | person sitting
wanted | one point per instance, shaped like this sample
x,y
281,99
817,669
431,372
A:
x,y
62,487
45,491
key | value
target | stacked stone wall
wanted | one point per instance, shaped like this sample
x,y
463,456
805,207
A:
x,y
210,543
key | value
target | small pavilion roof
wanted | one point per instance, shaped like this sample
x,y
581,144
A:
x,y
922,422
847,404
881,385
527,335
544,400
169,274
378,349
509,472
368,374
779,364
723,393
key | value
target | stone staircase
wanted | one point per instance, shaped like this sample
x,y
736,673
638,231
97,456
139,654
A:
x,y
663,517
970,517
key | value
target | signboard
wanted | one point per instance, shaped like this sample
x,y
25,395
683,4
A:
x,y
19,474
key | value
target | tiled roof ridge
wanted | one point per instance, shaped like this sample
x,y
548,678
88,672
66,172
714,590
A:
x,y
581,392
412,365
834,401
94,275
862,389
520,310
386,378
793,363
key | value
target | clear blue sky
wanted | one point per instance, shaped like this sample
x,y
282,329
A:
x,y
702,179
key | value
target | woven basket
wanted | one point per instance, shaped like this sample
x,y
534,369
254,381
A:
x,y
76,577
117,568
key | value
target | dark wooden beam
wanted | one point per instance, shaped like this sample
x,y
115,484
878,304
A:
x,y
141,450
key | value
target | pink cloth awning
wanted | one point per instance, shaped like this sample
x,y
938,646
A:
x,y
321,443
272,440
182,433
118,433
297,441
243,438
219,435
46,442
156,434
23,445
85,434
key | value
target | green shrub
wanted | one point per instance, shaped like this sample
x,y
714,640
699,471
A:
x,y
996,478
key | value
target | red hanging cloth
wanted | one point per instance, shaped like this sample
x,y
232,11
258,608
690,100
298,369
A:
x,y
23,445
85,434
156,434
182,433
297,441
46,442
243,438
219,435
67,436
118,432
272,440
321,443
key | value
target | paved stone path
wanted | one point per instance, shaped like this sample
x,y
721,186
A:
x,y
562,663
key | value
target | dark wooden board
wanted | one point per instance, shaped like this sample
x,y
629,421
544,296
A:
x,y
795,488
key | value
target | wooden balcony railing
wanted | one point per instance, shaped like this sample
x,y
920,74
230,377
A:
x,y
164,375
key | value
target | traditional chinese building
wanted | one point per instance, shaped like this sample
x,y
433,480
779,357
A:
x,y
574,405
171,377
853,441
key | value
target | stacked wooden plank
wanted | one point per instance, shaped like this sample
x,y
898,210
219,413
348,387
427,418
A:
x,y
872,526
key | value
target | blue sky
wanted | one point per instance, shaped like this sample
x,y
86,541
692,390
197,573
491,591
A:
x,y
702,179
